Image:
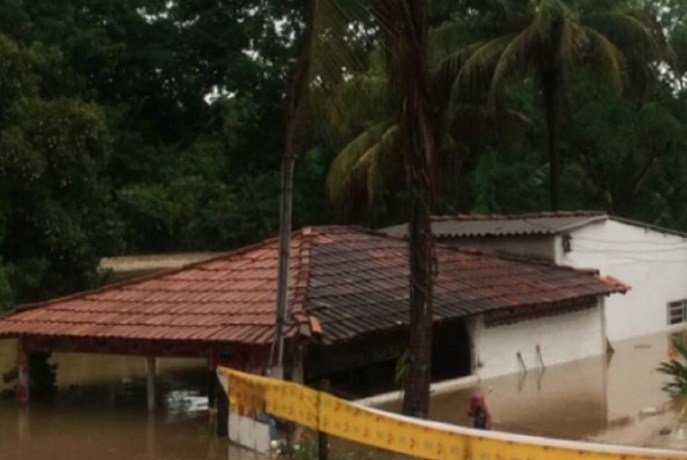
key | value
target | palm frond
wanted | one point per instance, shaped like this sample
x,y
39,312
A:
x,y
477,125
676,369
547,14
476,75
344,165
514,59
447,37
626,30
586,7
355,102
570,43
445,72
374,164
606,59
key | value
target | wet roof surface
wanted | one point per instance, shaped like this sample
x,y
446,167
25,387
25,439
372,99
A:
x,y
344,281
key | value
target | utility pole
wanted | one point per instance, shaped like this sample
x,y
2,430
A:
x,y
297,98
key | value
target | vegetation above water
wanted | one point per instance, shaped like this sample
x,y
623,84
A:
x,y
138,126
676,369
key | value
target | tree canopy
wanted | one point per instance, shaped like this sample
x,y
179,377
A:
x,y
138,126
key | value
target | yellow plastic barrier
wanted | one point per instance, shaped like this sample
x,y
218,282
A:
x,y
287,400
405,435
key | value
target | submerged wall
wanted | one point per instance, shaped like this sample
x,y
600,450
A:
x,y
561,338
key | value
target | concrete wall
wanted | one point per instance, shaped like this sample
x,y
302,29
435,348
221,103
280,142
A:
x,y
530,246
653,263
562,338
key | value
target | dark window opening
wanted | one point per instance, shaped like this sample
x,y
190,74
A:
x,y
450,351
677,312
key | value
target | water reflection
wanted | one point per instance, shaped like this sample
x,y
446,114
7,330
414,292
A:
x,y
615,399
100,412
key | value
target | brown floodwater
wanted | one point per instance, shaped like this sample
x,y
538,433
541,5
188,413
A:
x,y
615,399
99,411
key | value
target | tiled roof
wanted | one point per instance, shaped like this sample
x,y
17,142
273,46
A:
x,y
344,282
545,223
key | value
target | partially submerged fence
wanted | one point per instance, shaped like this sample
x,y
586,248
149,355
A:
x,y
250,396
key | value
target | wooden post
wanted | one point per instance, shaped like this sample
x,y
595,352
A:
x,y
322,437
150,435
222,412
24,373
150,382
218,403
298,365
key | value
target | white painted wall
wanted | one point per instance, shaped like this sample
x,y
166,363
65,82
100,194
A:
x,y
562,338
653,263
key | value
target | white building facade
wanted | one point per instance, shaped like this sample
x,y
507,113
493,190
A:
x,y
651,260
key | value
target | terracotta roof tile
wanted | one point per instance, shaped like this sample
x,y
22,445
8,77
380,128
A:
x,y
344,282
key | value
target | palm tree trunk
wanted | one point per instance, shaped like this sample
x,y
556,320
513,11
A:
x,y
420,157
552,89
418,377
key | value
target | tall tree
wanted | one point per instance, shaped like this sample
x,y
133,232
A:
x,y
55,211
404,25
549,38
406,38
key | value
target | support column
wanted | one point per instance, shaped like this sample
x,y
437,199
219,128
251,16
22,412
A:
x,y
24,373
218,403
222,413
322,437
150,382
298,365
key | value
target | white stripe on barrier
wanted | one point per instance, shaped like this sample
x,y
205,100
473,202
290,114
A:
x,y
533,440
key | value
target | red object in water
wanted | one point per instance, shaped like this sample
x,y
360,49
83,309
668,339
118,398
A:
x,y
479,412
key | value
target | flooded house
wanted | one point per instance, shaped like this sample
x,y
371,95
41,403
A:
x,y
651,259
348,314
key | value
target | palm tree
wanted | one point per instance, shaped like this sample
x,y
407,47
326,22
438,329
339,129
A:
x,y
403,23
366,127
546,39
676,369
406,39
370,166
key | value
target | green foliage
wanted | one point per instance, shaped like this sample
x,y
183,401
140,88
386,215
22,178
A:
x,y
135,126
52,153
487,70
401,369
6,291
676,369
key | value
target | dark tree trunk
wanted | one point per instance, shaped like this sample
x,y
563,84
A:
x,y
419,161
552,89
